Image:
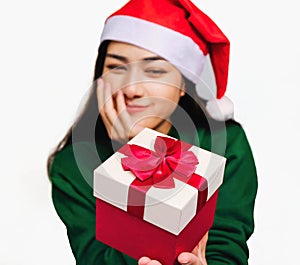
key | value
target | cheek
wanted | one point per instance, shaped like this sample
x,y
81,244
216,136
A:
x,y
166,104
168,108
116,82
169,95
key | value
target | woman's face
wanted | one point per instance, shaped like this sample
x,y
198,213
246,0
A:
x,y
151,85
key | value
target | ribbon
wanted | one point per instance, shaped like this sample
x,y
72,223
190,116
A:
x,y
170,159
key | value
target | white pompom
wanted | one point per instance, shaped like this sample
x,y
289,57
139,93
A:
x,y
220,109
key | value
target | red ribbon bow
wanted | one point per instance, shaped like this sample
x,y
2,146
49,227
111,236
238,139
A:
x,y
171,159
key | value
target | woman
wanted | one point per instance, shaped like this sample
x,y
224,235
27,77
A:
x,y
141,82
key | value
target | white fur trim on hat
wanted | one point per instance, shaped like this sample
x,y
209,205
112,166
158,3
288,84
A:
x,y
220,109
184,53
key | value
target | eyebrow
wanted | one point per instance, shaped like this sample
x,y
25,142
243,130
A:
x,y
125,60
118,57
154,58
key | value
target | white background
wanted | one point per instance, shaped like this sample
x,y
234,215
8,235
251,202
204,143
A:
x,y
47,55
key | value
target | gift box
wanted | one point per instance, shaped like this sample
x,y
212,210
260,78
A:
x,y
156,196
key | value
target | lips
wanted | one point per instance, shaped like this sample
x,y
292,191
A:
x,y
136,108
133,107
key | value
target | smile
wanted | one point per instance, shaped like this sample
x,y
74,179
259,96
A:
x,y
136,108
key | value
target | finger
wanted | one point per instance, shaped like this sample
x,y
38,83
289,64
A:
x,y
154,262
122,112
111,114
108,106
116,118
100,94
148,261
187,258
200,249
132,128
102,100
143,261
100,103
202,244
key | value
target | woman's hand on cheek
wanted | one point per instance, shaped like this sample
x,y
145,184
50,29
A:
x,y
112,108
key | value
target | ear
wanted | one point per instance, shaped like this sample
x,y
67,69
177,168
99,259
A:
x,y
182,93
182,88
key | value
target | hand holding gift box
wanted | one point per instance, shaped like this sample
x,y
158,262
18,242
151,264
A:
x,y
156,196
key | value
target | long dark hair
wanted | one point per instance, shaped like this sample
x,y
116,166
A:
x,y
190,103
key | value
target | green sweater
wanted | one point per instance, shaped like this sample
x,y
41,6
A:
x,y
72,193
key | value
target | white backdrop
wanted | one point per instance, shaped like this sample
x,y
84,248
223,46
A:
x,y
47,55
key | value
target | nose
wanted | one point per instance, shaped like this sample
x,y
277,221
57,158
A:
x,y
133,90
134,85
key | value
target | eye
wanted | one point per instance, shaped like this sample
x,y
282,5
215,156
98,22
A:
x,y
155,72
116,68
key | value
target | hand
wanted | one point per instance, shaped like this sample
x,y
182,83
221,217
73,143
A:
x,y
196,257
112,108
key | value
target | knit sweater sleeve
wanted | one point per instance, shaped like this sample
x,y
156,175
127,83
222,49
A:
x,y
233,223
73,200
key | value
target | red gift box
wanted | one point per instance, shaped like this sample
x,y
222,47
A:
x,y
137,238
158,212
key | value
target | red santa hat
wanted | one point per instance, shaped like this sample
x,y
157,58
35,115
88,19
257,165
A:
x,y
182,34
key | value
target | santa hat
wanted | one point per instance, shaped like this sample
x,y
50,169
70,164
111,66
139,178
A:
x,y
182,34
